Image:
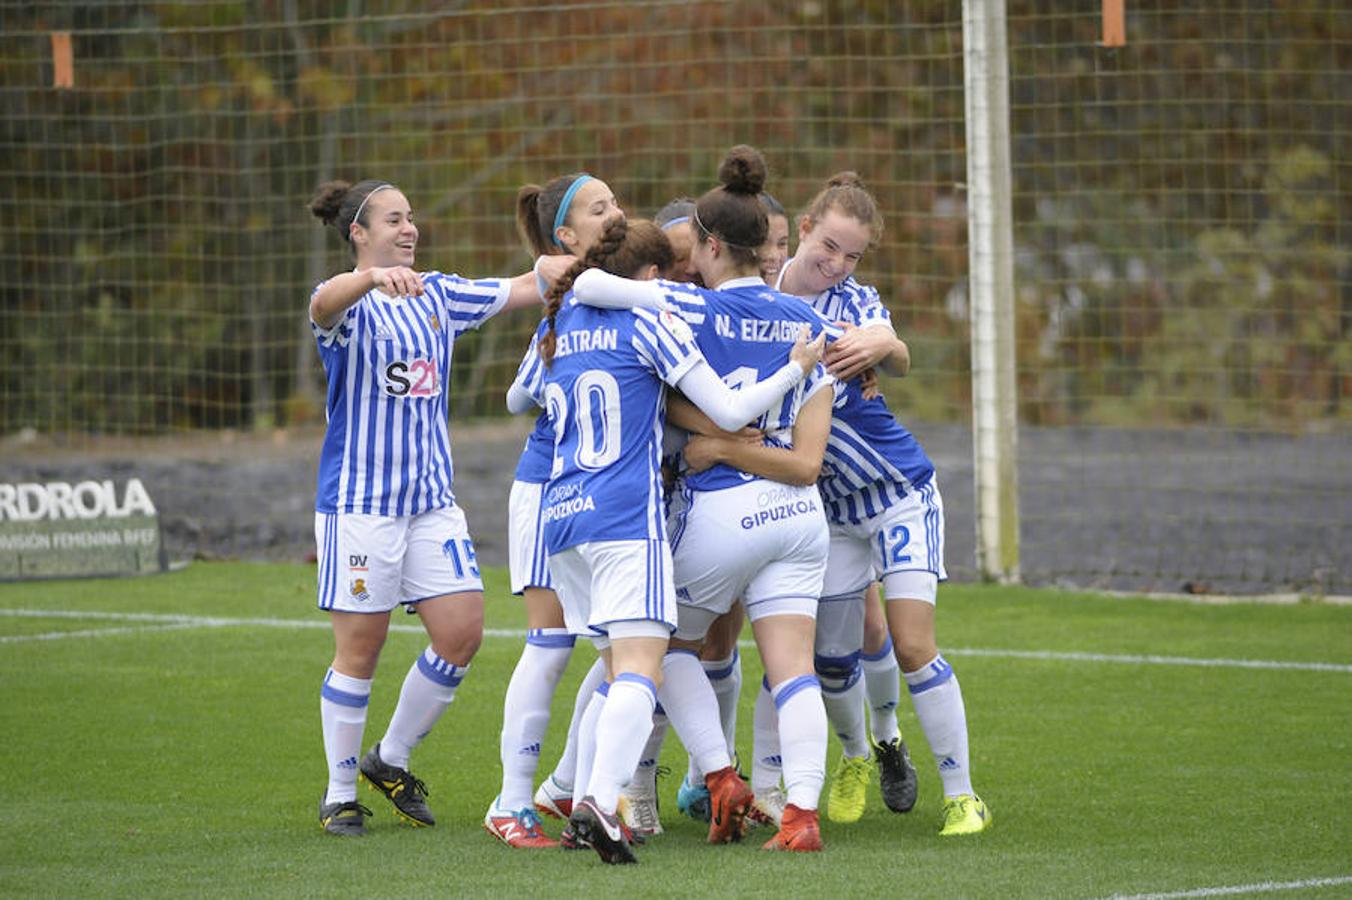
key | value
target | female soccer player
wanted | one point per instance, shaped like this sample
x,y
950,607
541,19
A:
x,y
886,516
565,217
604,523
738,536
386,524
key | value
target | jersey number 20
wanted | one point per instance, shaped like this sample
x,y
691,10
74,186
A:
x,y
596,406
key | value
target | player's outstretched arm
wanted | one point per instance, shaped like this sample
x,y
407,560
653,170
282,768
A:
x,y
601,289
732,409
341,292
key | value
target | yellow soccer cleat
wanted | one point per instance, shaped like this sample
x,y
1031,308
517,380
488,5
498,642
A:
x,y
965,814
849,787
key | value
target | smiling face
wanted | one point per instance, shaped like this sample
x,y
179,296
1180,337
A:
x,y
828,250
593,206
389,236
775,250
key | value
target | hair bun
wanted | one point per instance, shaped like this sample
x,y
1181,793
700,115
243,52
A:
x,y
328,200
743,170
845,179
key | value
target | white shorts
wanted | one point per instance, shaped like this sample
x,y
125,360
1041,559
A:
x,y
526,558
903,547
604,582
371,564
761,541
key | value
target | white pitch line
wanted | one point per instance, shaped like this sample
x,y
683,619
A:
x,y
1153,660
159,621
1262,887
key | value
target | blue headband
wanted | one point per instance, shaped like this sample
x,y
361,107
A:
x,y
676,221
566,202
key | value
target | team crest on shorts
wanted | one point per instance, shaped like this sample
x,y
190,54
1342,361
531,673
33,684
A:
x,y
359,590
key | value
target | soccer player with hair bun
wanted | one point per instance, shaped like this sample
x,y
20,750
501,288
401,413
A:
x,y
763,540
387,528
605,526
887,524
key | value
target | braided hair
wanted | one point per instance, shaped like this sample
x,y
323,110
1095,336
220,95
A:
x,y
610,242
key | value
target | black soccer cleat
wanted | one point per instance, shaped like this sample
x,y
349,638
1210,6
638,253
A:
x,y
896,775
347,819
402,788
604,833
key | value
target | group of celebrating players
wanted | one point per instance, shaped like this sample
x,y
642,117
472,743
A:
x,y
710,446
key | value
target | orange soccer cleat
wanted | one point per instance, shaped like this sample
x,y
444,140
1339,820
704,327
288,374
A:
x,y
799,831
729,799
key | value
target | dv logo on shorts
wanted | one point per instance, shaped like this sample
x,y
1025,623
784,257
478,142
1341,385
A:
x,y
359,590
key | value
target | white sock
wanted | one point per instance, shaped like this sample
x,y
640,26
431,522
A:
x,y
565,771
689,701
802,735
342,714
646,773
843,694
429,687
766,763
621,731
586,740
943,718
725,676
525,711
882,685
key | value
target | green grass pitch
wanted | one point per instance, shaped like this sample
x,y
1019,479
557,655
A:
x,y
146,757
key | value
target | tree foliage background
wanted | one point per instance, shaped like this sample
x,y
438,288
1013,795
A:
x,y
1182,203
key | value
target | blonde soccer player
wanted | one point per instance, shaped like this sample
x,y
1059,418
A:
x,y
387,528
886,514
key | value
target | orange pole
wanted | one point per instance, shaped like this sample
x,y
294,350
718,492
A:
x,y
63,60
1114,23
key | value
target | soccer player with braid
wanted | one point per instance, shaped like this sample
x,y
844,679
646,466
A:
x,y
565,218
387,528
605,528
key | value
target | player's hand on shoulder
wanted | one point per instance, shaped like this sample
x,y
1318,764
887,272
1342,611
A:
x,y
398,281
806,354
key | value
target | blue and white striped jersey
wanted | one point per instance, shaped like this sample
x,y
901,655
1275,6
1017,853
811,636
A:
x,y
606,397
871,460
746,330
387,450
537,456
849,301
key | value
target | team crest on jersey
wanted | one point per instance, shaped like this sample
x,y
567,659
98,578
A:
x,y
676,325
359,590
436,323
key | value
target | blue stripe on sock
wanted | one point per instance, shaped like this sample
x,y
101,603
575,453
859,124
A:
x,y
439,671
641,680
343,698
716,674
801,683
556,638
882,653
942,672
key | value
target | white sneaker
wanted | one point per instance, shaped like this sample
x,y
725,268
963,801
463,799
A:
x,y
553,800
638,803
769,806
